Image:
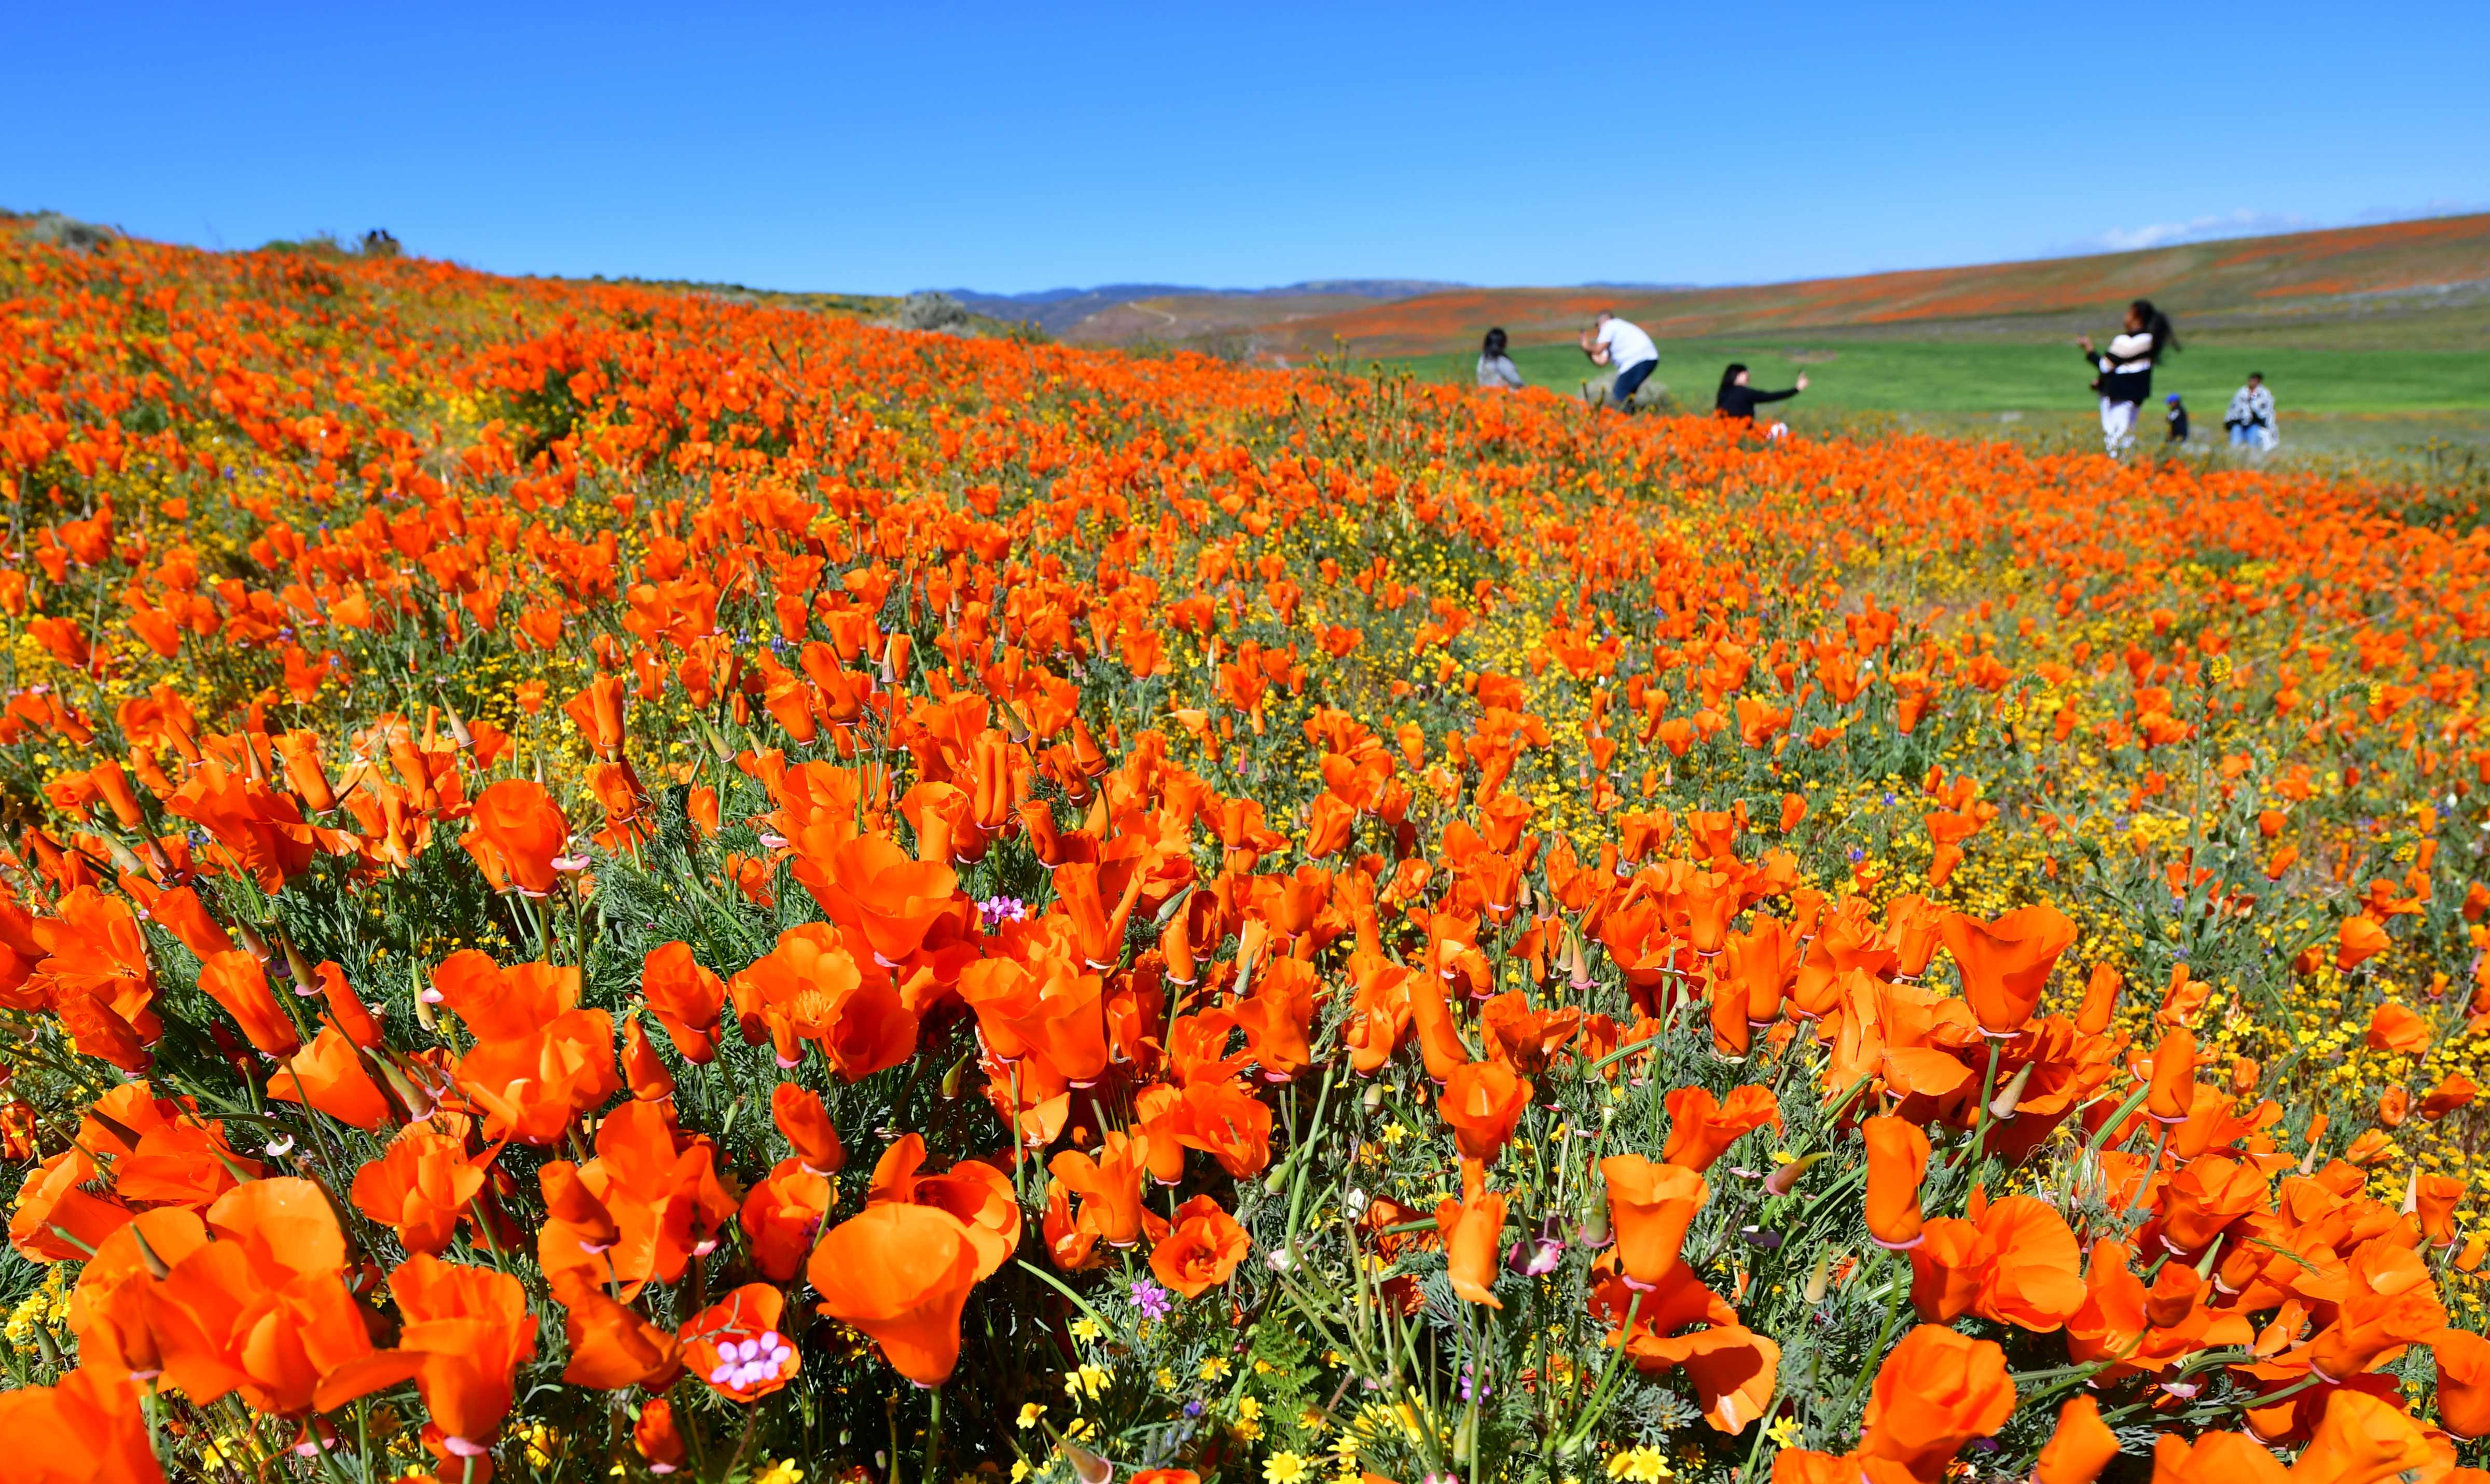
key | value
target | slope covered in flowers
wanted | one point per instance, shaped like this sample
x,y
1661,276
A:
x,y
600,881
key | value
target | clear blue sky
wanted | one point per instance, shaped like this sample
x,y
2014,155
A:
x,y
1010,147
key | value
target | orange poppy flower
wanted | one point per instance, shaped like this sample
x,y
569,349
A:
x,y
687,998
2019,1263
805,1124
329,1075
655,1437
2463,1360
2172,1092
2079,1447
466,1331
262,1311
89,1428
2368,1440
2101,1000
531,1088
2394,1026
108,1310
1733,1368
2006,964
811,988
1936,1392
1482,1101
976,1192
612,1346
235,980
2357,941
1202,1248
873,888
1110,1185
901,1273
1650,1207
1898,1160
2214,1458
515,832
1701,1127
783,1214
421,1186
1472,1230
1438,1042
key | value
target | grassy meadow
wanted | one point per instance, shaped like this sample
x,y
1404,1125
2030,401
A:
x,y
1906,376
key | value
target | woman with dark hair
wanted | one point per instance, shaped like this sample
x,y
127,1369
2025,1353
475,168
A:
x,y
1737,399
1494,367
2126,370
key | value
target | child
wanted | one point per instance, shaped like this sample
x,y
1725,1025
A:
x,y
2176,418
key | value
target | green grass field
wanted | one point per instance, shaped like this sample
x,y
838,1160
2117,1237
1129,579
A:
x,y
1849,375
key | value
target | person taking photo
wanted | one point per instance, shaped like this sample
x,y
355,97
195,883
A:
x,y
1617,342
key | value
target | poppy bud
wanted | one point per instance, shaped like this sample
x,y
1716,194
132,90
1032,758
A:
x,y
1784,1179
2009,1095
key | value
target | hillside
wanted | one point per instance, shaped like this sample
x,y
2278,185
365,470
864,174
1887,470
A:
x,y
1121,313
2401,285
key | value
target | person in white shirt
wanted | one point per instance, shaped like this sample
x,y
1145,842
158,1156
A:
x,y
2250,416
2125,371
1620,343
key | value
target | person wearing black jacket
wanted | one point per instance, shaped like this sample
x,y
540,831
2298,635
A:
x,y
2125,370
1737,399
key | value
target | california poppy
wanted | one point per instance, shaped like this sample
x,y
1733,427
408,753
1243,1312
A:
x,y
901,1273
1650,1207
1473,1229
2005,964
515,832
1482,1101
329,1075
1202,1248
1936,1392
1897,1160
1701,1127
2079,1447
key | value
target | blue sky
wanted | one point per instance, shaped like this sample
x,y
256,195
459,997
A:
x,y
1012,147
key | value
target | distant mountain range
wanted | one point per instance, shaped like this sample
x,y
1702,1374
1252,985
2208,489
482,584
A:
x,y
2394,284
1057,310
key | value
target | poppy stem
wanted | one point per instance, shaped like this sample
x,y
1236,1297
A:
x,y
933,1431
1972,1151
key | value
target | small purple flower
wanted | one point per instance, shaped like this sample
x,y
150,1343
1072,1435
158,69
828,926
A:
x,y
1484,1389
1154,1301
999,910
1193,1408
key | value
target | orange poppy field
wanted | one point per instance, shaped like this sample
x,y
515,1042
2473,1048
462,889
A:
x,y
606,882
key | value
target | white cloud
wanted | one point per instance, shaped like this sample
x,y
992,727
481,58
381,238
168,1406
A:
x,y
2162,234
2251,223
